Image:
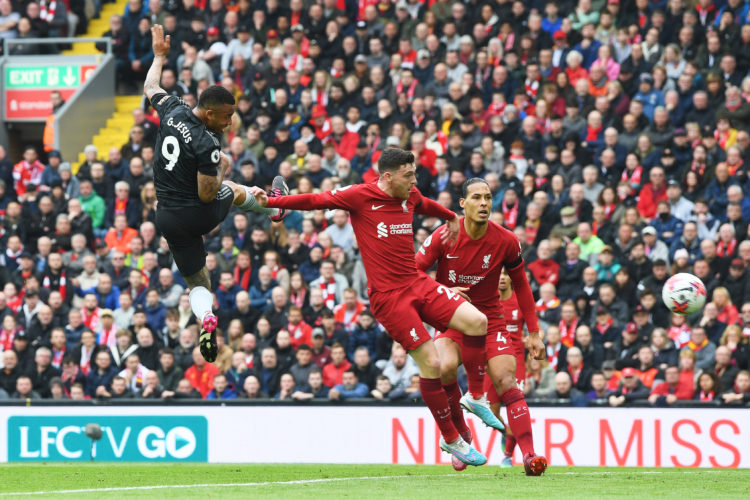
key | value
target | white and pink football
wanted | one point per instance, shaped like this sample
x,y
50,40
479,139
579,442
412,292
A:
x,y
684,293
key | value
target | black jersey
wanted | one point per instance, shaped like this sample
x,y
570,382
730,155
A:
x,y
184,147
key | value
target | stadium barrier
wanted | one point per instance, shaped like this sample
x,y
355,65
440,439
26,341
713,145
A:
x,y
668,437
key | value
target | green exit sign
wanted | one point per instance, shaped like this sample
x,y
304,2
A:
x,y
35,77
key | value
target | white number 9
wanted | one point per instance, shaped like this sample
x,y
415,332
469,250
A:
x,y
172,154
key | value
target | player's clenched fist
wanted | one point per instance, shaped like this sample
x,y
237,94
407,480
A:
x,y
159,42
536,346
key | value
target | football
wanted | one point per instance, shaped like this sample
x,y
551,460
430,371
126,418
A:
x,y
684,293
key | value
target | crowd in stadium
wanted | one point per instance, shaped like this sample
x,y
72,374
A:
x,y
614,136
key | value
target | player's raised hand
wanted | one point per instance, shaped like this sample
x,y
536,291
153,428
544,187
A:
x,y
159,42
535,346
450,233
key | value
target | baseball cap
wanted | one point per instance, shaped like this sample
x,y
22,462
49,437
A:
x,y
467,120
54,154
212,31
737,263
291,108
100,243
392,140
243,28
648,230
318,110
660,262
680,132
568,211
613,2
673,182
631,327
707,132
466,39
559,35
32,293
608,365
601,310
362,25
21,336
259,76
367,312
402,6
628,372
646,78
106,312
298,27
606,249
361,144
683,254
272,34
318,332
423,54
25,255
667,152
361,58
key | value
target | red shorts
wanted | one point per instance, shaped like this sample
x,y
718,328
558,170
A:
x,y
402,311
500,343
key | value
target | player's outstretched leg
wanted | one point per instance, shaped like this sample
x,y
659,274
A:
x,y
469,320
436,400
502,371
450,357
201,302
245,200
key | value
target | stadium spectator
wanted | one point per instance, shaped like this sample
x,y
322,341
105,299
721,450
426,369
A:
x,y
201,374
671,390
221,389
630,389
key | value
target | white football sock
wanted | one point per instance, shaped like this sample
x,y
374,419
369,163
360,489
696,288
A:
x,y
250,205
200,301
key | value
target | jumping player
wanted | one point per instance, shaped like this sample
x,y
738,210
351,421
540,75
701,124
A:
x,y
189,168
514,321
401,297
473,268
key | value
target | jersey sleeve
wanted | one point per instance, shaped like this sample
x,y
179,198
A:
x,y
512,257
431,250
207,155
345,198
426,206
165,103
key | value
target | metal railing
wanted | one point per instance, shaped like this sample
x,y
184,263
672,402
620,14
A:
x,y
7,42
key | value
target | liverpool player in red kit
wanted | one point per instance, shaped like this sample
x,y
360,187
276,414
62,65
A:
x,y
473,268
401,297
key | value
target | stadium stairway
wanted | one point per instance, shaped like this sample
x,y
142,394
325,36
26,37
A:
x,y
117,129
97,27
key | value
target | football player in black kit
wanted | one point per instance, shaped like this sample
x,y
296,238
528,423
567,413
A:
x,y
189,170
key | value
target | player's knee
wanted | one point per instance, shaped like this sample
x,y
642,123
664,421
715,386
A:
x,y
479,324
505,382
448,368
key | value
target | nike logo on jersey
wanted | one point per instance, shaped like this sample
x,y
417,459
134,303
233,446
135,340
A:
x,y
375,207
449,256
502,348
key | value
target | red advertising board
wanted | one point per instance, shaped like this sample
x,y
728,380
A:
x,y
30,104
25,102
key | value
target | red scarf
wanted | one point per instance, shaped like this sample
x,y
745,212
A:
x,y
734,168
609,210
298,298
706,397
532,228
698,169
329,293
726,249
242,278
409,92
120,206
568,332
633,177
90,319
531,88
602,328
6,338
542,306
575,374
553,354
61,288
57,356
592,133
695,348
510,215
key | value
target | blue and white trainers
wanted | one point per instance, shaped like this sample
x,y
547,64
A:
x,y
507,463
481,408
463,451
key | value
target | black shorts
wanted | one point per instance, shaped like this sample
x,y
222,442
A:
x,y
184,227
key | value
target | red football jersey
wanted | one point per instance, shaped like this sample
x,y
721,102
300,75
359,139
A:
x,y
513,317
382,225
473,263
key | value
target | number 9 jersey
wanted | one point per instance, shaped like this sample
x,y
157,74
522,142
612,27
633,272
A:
x,y
184,147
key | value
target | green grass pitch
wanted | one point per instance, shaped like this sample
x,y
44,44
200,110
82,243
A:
x,y
142,481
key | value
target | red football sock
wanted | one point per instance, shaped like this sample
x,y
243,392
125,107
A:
x,y
510,445
474,358
518,419
457,413
437,401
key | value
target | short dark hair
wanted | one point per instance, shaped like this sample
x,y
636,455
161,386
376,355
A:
x,y
469,182
304,347
214,97
393,158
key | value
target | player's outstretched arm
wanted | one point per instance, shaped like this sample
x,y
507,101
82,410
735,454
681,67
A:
x,y
160,45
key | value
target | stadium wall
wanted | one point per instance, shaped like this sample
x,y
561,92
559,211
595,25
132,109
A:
x,y
385,435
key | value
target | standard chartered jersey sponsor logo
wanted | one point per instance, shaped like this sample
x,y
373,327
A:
x,y
133,438
384,230
451,275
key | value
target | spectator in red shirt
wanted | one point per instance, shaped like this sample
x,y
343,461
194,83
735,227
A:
x,y
333,372
299,331
671,390
424,156
544,269
27,171
321,352
347,313
652,193
344,141
201,374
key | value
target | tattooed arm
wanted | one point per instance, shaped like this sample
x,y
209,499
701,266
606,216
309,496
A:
x,y
209,185
160,45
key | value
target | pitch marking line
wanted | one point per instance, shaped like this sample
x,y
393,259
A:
x,y
231,485
303,481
